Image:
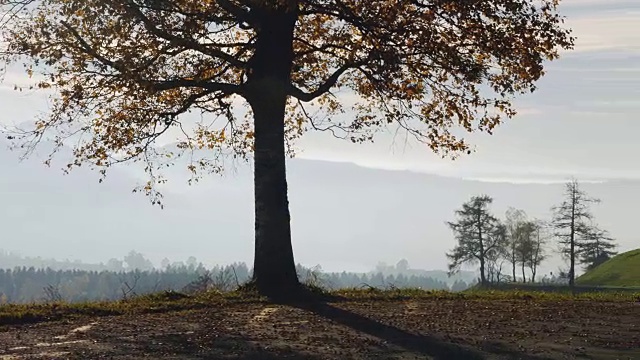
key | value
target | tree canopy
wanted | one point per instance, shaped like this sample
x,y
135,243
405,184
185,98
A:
x,y
597,247
125,70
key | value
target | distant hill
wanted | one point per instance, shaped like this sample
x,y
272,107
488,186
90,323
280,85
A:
x,y
621,270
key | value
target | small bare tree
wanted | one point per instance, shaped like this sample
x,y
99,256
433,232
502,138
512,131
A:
x,y
224,280
52,293
200,284
538,252
313,277
514,220
128,287
494,271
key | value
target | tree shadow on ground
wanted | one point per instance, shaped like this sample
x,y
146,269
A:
x,y
419,344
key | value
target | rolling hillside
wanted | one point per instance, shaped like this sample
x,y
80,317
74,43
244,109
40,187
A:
x,y
621,270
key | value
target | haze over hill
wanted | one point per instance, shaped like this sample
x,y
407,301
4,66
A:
x,y
344,217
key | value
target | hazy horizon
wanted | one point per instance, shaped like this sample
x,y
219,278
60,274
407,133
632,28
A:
x,y
215,218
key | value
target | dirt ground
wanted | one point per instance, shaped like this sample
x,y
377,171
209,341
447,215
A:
x,y
410,329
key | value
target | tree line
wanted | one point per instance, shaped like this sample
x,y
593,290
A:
x,y
522,243
27,285
30,284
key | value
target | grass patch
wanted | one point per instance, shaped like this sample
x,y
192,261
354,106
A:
x,y
565,295
485,295
621,270
12,314
153,303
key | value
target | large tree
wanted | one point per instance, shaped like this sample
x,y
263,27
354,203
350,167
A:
x,y
125,72
479,234
572,223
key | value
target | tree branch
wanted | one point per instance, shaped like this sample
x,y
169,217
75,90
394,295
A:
x,y
325,87
188,43
237,11
224,88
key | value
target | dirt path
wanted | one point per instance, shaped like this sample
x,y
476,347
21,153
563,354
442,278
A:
x,y
420,329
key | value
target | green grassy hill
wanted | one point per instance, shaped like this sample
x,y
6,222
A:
x,y
621,270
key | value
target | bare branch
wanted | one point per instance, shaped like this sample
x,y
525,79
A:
x,y
180,41
322,89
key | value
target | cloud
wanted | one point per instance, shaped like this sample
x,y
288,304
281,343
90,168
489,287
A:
x,y
528,111
603,25
16,76
591,3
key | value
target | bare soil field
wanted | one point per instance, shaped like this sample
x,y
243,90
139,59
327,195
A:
x,y
349,329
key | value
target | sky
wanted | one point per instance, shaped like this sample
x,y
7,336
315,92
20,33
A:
x,y
581,121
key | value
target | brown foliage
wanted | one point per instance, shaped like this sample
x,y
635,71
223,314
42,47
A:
x,y
124,72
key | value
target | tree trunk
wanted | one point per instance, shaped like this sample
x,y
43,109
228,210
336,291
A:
x,y
274,271
533,274
524,277
274,267
533,266
572,265
483,277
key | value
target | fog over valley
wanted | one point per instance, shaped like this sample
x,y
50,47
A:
x,y
344,216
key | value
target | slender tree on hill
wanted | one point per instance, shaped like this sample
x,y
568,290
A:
x,y
479,234
598,247
514,218
572,224
124,73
